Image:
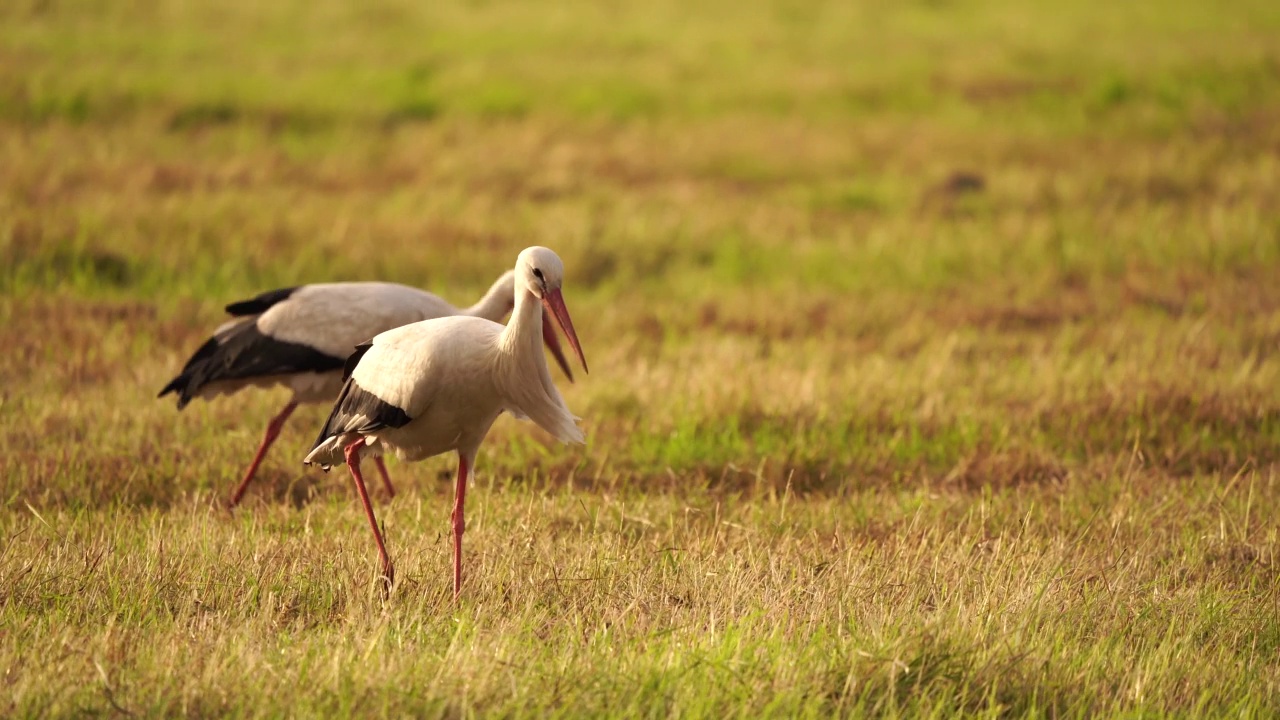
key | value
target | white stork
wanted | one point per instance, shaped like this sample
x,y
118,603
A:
x,y
438,385
300,337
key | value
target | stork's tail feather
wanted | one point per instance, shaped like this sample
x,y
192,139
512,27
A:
x,y
197,372
326,453
177,385
327,449
331,451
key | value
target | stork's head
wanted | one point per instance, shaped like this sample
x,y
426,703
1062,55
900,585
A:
x,y
541,272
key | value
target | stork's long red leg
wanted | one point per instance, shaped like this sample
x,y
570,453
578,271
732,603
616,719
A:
x,y
386,479
459,526
273,431
352,453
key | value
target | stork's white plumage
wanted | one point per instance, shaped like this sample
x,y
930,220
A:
x,y
438,385
301,337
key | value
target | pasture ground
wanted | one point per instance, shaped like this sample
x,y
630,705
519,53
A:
x,y
933,347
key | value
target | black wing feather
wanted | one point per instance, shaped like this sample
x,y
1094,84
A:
x,y
261,303
354,359
243,353
356,402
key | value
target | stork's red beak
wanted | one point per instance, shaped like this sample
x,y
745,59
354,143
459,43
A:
x,y
553,344
553,303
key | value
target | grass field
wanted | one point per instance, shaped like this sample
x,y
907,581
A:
x,y
935,356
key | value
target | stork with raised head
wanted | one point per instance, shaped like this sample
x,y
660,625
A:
x,y
438,385
301,337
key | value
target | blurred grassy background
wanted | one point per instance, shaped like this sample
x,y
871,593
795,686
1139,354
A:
x,y
217,148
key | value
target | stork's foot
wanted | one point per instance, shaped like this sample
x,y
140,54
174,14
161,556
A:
x,y
386,580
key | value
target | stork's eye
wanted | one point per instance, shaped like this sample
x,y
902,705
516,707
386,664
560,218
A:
x,y
538,274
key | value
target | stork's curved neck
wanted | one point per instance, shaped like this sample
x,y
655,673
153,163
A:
x,y
523,375
497,302
522,337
